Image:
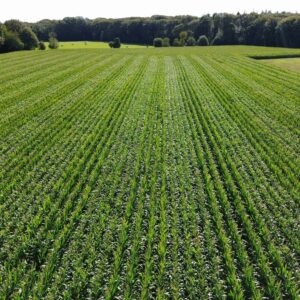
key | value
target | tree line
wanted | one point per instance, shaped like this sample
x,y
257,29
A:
x,y
182,40
16,35
262,29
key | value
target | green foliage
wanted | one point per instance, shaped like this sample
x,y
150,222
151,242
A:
x,y
29,39
158,42
53,43
183,35
52,34
166,42
19,37
14,26
218,40
176,43
203,26
2,35
12,42
116,43
191,41
229,31
111,44
203,41
288,32
262,29
146,174
42,46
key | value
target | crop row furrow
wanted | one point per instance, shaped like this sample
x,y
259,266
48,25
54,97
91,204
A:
x,y
44,70
105,205
27,111
74,187
216,194
285,174
35,147
220,123
270,76
265,103
231,178
96,161
41,160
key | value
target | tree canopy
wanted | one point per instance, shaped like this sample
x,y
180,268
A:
x,y
116,43
264,29
15,35
158,42
29,39
203,41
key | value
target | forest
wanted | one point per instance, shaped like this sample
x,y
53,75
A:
x,y
261,29
264,29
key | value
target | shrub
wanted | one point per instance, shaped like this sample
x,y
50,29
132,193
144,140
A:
x,y
42,46
53,43
166,42
288,32
218,40
176,43
116,43
203,41
2,36
158,42
14,26
12,42
191,41
183,35
29,39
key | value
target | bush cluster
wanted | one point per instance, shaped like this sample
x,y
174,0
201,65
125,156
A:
x,y
184,39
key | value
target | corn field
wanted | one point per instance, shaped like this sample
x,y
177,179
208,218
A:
x,y
149,174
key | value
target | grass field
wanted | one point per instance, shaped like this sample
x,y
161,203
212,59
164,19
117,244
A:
x,y
91,45
292,64
149,174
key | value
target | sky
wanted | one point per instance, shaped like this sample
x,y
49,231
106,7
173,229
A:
x,y
34,10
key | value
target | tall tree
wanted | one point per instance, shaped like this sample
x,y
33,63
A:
x,y
166,42
203,41
183,35
2,35
73,29
53,41
158,42
268,29
14,25
43,28
288,32
191,41
29,39
203,26
12,42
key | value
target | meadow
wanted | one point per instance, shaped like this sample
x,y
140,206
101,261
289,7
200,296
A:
x,y
292,64
149,174
91,45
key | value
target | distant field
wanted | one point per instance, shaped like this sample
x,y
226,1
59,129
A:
x,y
91,45
292,64
149,174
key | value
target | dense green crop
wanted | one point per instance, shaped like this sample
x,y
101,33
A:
x,y
149,174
